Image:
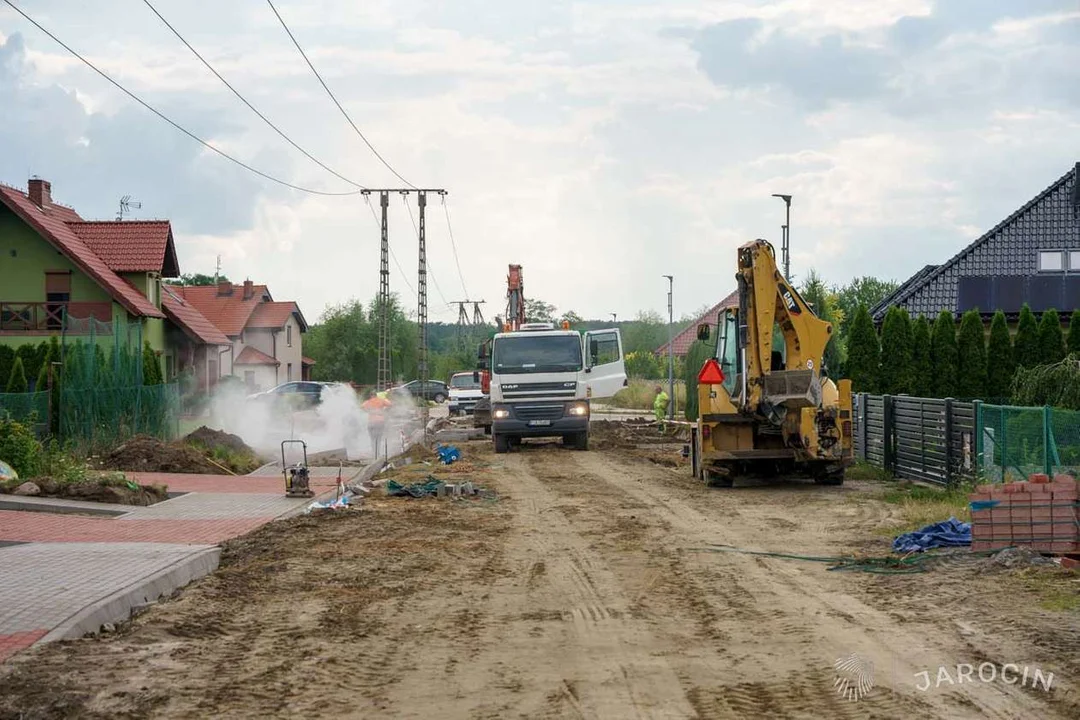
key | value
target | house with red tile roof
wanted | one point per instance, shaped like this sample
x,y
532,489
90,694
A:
x,y
57,269
265,336
688,335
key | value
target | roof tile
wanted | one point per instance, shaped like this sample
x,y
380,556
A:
x,y
688,335
131,245
190,320
251,356
51,225
230,313
272,315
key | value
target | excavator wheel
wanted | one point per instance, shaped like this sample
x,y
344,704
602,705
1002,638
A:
x,y
717,479
831,477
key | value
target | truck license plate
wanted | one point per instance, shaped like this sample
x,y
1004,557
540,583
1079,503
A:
x,y
539,422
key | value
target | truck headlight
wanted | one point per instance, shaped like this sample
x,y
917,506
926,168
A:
x,y
500,414
578,409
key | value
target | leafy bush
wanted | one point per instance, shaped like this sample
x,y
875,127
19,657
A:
x,y
19,448
61,466
1057,385
922,374
1026,344
1000,365
643,364
1073,341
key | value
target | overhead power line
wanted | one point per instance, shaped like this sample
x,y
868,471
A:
x,y
333,97
453,245
161,115
244,100
416,229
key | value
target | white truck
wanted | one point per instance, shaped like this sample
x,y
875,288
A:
x,y
542,379
465,392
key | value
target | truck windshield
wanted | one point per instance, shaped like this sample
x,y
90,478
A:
x,y
464,382
537,353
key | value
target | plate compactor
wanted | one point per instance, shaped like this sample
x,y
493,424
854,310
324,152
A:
x,y
296,476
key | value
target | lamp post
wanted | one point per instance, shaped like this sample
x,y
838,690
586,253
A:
x,y
786,239
671,351
613,317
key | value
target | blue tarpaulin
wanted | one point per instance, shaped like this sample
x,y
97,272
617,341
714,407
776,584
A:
x,y
448,453
950,533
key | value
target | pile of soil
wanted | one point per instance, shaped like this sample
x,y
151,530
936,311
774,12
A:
x,y
1016,557
97,490
626,434
210,438
148,454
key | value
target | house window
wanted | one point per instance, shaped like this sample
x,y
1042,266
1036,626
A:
x,y
1051,261
57,293
288,335
288,371
1074,260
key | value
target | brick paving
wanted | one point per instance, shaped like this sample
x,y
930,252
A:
x,y
13,643
217,506
263,485
47,527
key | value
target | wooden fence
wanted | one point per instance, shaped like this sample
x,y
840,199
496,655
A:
x,y
916,438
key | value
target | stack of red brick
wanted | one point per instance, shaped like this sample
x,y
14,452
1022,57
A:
x,y
1040,513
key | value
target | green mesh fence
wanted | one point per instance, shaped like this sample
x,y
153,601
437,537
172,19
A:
x,y
1015,442
30,408
102,398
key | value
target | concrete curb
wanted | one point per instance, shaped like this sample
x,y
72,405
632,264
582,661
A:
x,y
370,471
117,607
63,505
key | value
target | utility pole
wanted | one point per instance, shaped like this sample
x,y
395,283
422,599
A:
x,y
785,242
671,350
613,317
384,379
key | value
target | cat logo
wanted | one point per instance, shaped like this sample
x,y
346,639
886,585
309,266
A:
x,y
789,300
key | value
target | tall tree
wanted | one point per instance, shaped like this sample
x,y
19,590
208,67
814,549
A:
x,y
17,381
971,346
1000,364
823,301
868,291
7,359
151,366
1073,342
922,373
539,311
864,352
200,279
1026,344
943,354
1051,339
896,352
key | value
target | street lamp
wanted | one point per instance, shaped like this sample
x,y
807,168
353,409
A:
x,y
671,350
613,317
786,237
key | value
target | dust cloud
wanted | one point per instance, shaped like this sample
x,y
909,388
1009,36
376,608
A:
x,y
338,423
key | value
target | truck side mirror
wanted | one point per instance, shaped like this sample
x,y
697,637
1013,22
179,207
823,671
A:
x,y
476,376
703,331
481,351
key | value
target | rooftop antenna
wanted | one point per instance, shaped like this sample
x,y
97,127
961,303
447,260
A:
x,y
126,203
217,270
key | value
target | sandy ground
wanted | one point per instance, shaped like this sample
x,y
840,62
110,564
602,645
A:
x,y
581,592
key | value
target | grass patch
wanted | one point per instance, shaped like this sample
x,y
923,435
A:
x,y
865,471
639,395
921,505
1057,589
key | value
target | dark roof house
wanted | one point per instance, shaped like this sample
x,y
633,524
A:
x,y
688,335
1032,257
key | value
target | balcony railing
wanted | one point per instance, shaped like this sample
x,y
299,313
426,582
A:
x,y
35,318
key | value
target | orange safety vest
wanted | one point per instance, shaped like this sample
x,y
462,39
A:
x,y
375,408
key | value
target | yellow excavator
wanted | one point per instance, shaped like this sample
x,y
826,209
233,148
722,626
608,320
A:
x,y
766,408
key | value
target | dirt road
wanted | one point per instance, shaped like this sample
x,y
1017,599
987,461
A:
x,y
582,592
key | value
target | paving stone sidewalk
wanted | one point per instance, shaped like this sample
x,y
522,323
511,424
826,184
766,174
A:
x,y
56,567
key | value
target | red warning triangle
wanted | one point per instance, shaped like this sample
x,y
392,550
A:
x,y
711,374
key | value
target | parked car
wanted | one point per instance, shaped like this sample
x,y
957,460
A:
x,y
435,390
296,394
465,392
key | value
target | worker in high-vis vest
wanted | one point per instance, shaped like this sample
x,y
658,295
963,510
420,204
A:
x,y
376,407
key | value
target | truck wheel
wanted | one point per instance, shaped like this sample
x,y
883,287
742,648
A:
x,y
440,398
581,440
502,443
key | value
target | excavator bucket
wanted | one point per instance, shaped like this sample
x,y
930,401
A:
x,y
793,388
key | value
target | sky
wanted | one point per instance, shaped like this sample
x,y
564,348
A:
x,y
599,143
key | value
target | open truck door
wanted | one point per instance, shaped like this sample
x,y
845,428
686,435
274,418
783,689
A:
x,y
605,368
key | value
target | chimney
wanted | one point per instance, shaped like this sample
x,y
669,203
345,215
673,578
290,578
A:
x,y
40,192
249,289
224,288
